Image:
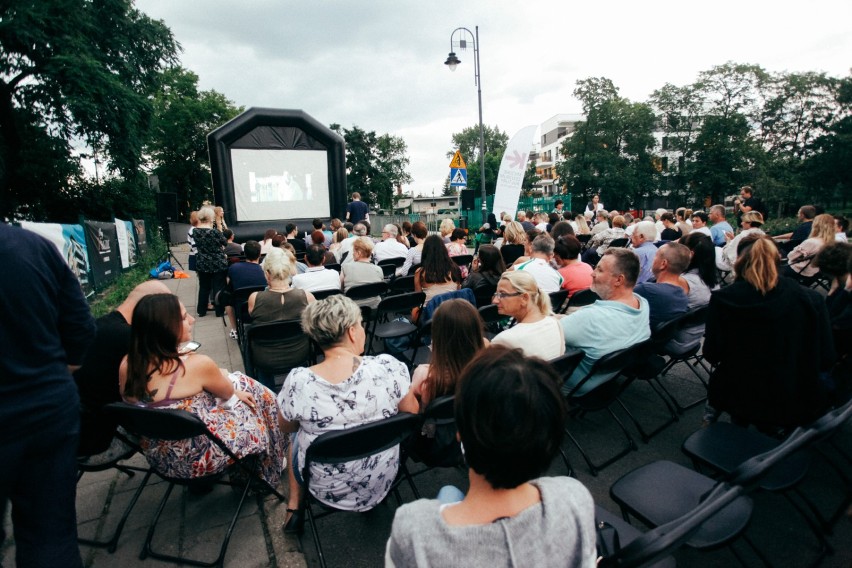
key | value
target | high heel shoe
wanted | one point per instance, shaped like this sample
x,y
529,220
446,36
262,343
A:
x,y
295,524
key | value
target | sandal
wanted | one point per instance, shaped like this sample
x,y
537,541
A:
x,y
232,334
295,523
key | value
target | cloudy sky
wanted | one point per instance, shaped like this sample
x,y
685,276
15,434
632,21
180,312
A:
x,y
378,64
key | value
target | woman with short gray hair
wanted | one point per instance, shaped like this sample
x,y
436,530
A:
x,y
343,391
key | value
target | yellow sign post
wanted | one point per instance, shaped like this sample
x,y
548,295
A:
x,y
457,161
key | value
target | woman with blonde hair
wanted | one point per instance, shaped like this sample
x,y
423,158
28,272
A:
x,y
446,229
767,338
514,239
582,225
537,333
340,235
800,260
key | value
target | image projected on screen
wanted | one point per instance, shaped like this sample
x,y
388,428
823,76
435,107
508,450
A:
x,y
280,184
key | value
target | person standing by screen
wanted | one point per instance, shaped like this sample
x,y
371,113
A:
x,y
357,210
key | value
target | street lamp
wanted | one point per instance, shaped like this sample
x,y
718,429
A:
x,y
452,62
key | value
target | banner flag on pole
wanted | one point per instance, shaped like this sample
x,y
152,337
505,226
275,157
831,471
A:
x,y
512,169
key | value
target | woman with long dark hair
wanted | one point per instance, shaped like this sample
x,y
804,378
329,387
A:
x,y
241,412
768,339
457,336
701,272
437,273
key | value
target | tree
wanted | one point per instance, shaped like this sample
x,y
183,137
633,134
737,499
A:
x,y
610,152
177,145
374,164
735,88
531,178
467,141
74,69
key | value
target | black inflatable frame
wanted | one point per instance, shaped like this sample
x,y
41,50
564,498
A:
x,y
274,129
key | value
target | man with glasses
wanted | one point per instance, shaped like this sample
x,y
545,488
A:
x,y
389,247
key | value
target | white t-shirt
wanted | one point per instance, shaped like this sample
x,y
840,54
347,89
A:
x,y
548,279
540,339
317,278
389,248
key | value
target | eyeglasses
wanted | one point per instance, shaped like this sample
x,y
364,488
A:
x,y
501,295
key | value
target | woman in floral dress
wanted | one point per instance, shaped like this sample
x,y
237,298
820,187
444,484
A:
x,y
239,411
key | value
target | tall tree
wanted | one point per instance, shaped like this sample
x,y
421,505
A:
x,y
183,116
610,153
75,69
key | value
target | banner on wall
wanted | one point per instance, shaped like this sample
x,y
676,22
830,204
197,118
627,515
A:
x,y
512,169
103,249
70,240
126,242
141,236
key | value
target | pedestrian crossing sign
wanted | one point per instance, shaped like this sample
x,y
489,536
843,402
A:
x,y
458,177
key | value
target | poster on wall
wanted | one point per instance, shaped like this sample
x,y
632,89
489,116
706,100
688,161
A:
x,y
141,237
70,240
126,242
103,250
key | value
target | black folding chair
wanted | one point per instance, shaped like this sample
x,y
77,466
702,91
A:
x,y
170,424
332,266
557,301
239,302
396,262
609,382
401,285
390,306
369,291
484,294
388,270
92,464
285,336
564,365
694,319
491,318
582,298
463,260
619,243
323,294
435,444
353,444
584,240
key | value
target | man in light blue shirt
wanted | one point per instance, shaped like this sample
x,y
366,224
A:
x,y
617,321
642,239
720,225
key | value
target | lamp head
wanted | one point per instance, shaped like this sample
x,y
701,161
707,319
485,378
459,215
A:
x,y
452,61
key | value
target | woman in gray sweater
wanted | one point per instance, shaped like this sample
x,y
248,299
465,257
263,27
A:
x,y
510,418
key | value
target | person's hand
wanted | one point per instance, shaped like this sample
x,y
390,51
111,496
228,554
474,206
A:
x,y
247,398
729,236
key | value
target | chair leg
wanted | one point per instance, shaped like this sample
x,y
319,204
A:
x,y
571,472
593,467
314,533
646,436
681,408
112,543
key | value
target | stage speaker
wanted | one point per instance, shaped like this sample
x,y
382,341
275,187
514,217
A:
x,y
467,199
167,206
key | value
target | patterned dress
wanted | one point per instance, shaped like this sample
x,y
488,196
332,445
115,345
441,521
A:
x,y
242,431
373,392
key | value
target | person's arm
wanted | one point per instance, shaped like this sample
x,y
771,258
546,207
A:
x,y
412,400
214,381
310,297
418,285
251,300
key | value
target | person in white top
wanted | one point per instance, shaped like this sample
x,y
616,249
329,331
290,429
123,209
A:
x,y
359,231
841,225
594,205
537,333
389,247
601,222
699,223
541,253
316,277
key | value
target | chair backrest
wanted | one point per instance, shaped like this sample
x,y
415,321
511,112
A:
x,y
242,294
608,367
332,266
364,291
360,441
583,298
750,473
619,243
159,423
388,270
402,285
463,259
396,262
400,303
484,294
284,336
662,541
557,299
489,313
436,445
584,238
565,364
832,420
322,294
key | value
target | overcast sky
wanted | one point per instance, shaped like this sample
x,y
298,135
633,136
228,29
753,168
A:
x,y
378,64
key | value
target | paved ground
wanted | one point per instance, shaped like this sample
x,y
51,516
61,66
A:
x,y
192,524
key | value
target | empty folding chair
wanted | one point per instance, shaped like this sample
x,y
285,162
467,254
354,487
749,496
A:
x,y
384,327
582,298
557,301
401,285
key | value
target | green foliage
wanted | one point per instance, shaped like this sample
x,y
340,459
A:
x,y
467,141
73,69
610,153
375,164
177,145
531,178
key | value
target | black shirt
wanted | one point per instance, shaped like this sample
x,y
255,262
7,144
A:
x,y
357,211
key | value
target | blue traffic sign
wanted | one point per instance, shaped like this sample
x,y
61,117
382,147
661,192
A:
x,y
458,177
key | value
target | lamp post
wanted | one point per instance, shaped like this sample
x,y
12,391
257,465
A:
x,y
452,62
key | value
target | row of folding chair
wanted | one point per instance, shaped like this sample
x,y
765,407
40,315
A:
x,y
746,461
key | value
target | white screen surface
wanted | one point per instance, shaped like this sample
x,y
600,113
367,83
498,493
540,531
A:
x,y
280,184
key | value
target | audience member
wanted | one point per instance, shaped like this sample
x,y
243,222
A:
x,y
806,216
841,225
231,248
576,275
406,232
601,222
292,235
701,273
357,210
361,270
658,221
389,247
266,242
317,277
359,231
800,259
279,302
699,223
617,321
156,375
601,241
668,296
768,378
561,229
750,223
682,225
582,225
670,231
594,205
457,336
541,253
511,421
211,265
525,223
643,245
311,402
446,229
45,331
537,332
514,239
219,220
457,246
720,225
340,236
243,275
319,238
437,273
486,270
414,256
